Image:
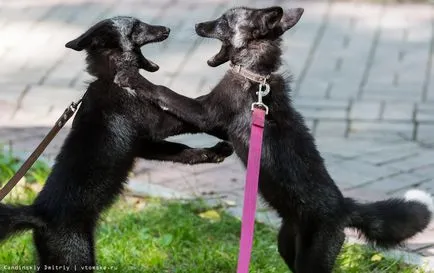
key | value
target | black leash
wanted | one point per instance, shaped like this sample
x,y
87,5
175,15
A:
x,y
69,112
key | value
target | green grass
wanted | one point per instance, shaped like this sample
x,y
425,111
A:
x,y
141,235
9,164
388,1
148,235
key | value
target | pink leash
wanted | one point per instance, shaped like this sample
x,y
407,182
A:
x,y
252,180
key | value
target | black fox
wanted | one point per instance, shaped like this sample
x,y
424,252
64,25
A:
x,y
114,125
293,177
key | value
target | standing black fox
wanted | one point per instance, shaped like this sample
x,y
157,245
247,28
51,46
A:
x,y
112,127
293,178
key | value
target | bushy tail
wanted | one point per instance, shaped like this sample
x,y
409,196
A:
x,y
390,222
14,219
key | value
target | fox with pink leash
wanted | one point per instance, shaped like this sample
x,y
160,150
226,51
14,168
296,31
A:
x,y
293,178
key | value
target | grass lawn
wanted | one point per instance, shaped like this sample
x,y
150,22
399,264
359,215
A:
x,y
389,1
148,235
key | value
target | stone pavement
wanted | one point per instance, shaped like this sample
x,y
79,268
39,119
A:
x,y
363,79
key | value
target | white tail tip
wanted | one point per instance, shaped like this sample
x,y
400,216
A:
x,y
421,197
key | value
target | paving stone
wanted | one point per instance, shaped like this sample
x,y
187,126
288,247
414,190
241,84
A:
x,y
6,110
425,107
211,182
430,93
425,133
425,172
320,104
350,148
49,97
11,93
363,195
424,185
195,140
63,73
343,90
392,93
422,241
364,110
140,187
393,131
387,155
25,139
314,88
422,159
302,42
329,128
332,55
399,181
324,114
354,174
398,111
190,81
425,114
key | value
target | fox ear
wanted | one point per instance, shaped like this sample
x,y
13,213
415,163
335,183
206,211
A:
x,y
269,19
86,39
272,17
289,19
80,43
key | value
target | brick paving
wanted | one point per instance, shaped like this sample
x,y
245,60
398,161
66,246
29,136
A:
x,y
363,79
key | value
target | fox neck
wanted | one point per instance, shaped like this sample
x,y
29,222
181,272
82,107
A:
x,y
105,65
262,57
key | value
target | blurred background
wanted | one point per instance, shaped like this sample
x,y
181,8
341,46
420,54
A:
x,y
362,71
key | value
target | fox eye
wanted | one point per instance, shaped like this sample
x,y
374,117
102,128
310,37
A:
x,y
223,22
133,29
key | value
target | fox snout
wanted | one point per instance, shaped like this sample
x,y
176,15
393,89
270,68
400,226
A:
x,y
165,31
146,34
161,33
206,29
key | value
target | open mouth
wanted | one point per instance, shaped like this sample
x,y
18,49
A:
x,y
163,35
207,30
160,38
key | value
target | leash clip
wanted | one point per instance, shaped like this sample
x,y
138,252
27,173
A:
x,y
67,114
264,90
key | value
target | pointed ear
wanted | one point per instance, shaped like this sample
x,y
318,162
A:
x,y
83,41
80,43
86,39
290,18
270,18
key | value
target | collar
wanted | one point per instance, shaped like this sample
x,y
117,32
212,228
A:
x,y
249,74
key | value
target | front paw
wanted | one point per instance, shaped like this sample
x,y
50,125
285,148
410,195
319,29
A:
x,y
220,151
215,154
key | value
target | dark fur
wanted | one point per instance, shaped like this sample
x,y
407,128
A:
x,y
293,179
112,127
